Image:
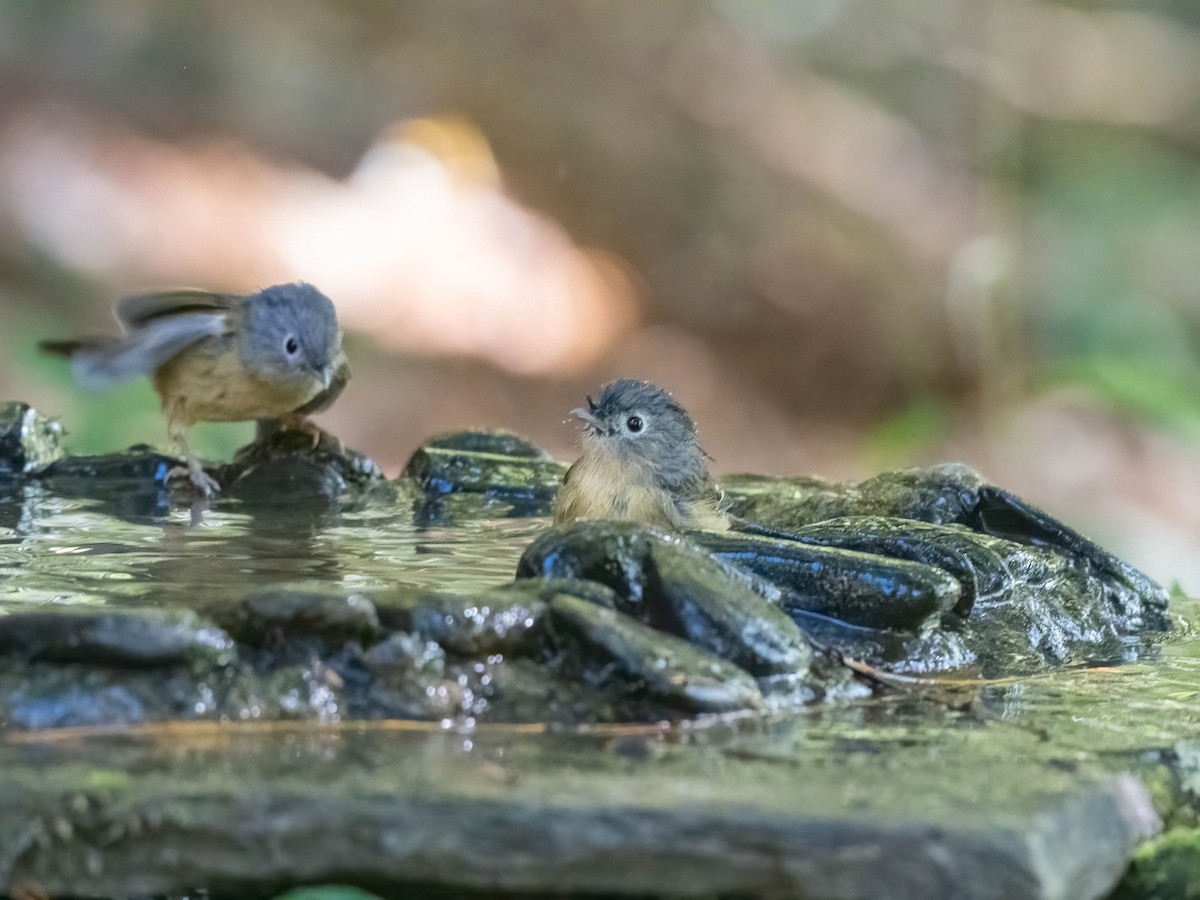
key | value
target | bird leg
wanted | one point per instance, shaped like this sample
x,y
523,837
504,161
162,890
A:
x,y
201,480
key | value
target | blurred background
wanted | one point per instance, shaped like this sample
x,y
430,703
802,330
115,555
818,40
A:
x,y
849,235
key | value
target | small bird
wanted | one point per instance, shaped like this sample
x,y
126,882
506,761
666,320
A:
x,y
640,462
273,355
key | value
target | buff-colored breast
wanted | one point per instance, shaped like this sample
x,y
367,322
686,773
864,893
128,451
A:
x,y
208,382
599,486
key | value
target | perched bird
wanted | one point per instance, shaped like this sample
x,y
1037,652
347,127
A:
x,y
640,462
272,355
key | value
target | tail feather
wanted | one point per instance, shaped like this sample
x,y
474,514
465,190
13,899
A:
x,y
100,362
62,348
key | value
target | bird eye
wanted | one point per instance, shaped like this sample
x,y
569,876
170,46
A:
x,y
291,346
634,424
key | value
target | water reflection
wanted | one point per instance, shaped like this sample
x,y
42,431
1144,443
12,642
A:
x,y
132,548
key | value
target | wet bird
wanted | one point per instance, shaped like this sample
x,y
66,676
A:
x,y
273,355
640,462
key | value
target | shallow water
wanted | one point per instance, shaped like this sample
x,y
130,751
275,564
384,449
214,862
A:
x,y
74,551
935,749
56,550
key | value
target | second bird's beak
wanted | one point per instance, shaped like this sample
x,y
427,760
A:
x,y
327,376
588,419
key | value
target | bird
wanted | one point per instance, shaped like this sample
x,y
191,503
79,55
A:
x,y
272,355
640,461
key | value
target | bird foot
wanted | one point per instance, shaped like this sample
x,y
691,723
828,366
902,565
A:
x,y
310,428
201,480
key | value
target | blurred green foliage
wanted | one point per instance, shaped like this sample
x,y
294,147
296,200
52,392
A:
x,y
742,216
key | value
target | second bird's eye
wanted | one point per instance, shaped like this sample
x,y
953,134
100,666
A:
x,y
291,346
634,424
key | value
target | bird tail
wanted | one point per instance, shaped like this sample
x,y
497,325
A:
x,y
101,362
61,348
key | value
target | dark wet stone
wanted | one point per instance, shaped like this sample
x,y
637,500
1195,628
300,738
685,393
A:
x,y
505,467
275,615
672,585
547,588
979,570
140,463
132,485
504,620
1050,610
1007,516
856,588
941,495
117,640
39,705
409,656
666,669
28,440
294,465
938,494
496,441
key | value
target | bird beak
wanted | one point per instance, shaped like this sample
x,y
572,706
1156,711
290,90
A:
x,y
587,418
327,376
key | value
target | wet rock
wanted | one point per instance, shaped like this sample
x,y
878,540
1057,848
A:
x,y
409,656
497,441
115,639
131,485
941,495
406,813
28,440
667,669
278,615
503,620
290,465
140,463
671,585
938,494
74,705
1031,606
979,570
1164,869
499,465
856,588
1005,515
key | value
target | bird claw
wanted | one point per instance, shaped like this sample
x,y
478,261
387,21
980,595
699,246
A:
x,y
310,428
204,483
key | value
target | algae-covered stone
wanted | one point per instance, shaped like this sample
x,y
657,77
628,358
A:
x,y
406,812
1167,868
498,464
273,614
941,495
938,494
29,441
114,639
670,584
1028,607
667,669
498,441
500,620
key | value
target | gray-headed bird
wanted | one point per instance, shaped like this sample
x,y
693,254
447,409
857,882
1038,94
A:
x,y
640,462
273,355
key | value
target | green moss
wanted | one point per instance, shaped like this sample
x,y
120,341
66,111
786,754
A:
x,y
1167,868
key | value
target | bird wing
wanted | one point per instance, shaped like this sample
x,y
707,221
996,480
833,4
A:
x,y
100,362
140,309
